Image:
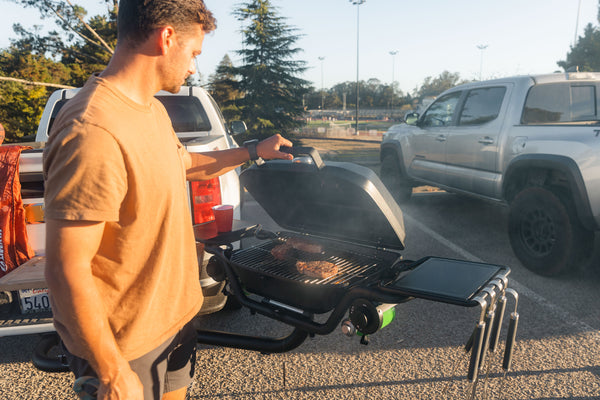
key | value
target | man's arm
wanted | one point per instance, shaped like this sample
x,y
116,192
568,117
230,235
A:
x,y
70,247
202,166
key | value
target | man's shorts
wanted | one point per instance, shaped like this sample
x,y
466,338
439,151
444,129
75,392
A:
x,y
167,368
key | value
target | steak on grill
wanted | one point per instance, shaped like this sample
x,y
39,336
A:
x,y
304,245
317,269
286,251
281,251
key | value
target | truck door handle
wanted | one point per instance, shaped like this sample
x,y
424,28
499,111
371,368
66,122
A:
x,y
440,138
486,140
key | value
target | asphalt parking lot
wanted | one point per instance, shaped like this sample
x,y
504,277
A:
x,y
420,355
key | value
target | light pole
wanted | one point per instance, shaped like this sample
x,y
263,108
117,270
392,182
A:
x,y
481,47
393,54
322,93
577,24
357,3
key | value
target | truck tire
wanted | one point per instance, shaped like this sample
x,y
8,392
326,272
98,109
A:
x,y
545,234
396,184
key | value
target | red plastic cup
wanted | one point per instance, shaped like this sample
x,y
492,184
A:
x,y
223,217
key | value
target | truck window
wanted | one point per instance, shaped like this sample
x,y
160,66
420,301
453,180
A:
x,y
440,113
482,105
560,103
59,104
186,113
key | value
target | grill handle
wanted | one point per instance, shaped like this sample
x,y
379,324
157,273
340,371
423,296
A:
x,y
305,151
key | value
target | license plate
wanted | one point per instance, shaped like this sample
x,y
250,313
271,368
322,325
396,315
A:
x,y
34,300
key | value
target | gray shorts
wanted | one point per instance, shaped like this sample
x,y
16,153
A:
x,y
168,367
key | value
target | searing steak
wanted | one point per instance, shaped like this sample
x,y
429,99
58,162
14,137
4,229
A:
x,y
286,250
304,245
317,269
281,251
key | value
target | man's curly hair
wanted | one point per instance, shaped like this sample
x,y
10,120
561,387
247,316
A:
x,y
138,18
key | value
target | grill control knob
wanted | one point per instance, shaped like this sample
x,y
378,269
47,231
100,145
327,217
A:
x,y
364,316
215,269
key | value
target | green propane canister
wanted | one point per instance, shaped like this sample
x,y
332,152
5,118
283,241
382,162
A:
x,y
368,318
388,315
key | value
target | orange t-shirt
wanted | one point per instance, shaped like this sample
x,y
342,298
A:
x,y
111,159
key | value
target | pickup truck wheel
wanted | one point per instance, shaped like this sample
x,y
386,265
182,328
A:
x,y
545,234
398,186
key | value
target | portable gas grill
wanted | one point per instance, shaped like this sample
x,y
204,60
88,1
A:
x,y
346,209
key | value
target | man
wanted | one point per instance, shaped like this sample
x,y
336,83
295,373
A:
x,y
121,259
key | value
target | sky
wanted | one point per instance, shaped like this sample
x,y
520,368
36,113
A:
x,y
429,36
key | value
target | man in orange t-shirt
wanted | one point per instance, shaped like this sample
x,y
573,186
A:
x,y
121,255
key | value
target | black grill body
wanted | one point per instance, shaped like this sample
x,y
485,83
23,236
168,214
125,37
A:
x,y
279,280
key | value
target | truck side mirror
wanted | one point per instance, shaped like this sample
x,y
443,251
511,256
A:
x,y
411,118
238,127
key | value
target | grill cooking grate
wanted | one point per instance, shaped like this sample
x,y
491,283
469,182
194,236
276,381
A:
x,y
353,267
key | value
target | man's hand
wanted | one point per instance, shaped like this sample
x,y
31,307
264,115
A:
x,y
125,385
269,148
210,164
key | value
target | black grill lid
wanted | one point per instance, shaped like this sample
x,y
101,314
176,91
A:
x,y
336,200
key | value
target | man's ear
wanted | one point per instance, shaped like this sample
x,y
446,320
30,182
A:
x,y
166,39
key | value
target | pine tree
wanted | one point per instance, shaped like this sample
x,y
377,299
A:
x,y
585,53
223,89
268,78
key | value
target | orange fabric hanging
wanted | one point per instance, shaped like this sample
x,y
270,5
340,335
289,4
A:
x,y
14,246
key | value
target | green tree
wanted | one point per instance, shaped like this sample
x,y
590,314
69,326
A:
x,y
585,55
70,18
67,57
271,90
21,105
373,94
222,87
435,86
84,47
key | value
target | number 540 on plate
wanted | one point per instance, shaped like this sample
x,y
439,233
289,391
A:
x,y
34,300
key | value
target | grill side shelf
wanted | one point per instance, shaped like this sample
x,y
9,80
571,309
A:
x,y
445,280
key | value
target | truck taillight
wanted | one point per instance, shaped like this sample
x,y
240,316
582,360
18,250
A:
x,y
205,195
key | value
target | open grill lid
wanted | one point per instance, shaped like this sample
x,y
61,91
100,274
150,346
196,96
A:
x,y
336,200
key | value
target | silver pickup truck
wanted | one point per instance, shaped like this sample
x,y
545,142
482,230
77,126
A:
x,y
24,305
532,142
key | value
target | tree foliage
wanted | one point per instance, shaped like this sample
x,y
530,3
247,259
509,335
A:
x,y
585,55
271,91
83,47
373,94
223,88
435,86
67,56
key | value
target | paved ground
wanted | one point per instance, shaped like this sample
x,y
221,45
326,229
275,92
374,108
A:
x,y
420,355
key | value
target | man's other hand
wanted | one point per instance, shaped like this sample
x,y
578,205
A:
x,y
125,385
269,148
